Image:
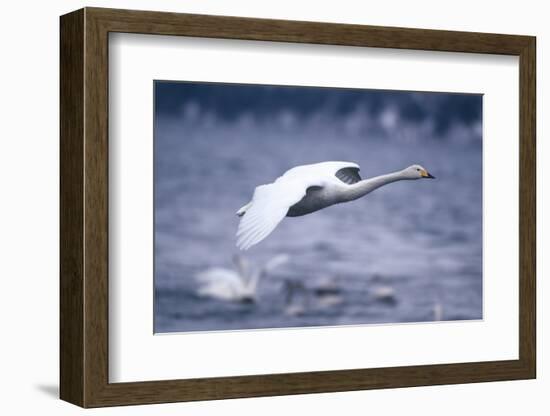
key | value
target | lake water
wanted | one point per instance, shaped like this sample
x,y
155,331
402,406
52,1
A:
x,y
409,252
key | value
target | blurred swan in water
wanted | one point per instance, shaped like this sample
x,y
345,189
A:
x,y
384,294
237,285
300,299
306,189
327,291
326,286
296,298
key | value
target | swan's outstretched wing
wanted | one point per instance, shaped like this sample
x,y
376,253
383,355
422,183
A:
x,y
268,207
219,283
275,262
271,203
217,274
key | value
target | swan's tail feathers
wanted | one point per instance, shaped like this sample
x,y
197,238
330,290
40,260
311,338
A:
x,y
242,210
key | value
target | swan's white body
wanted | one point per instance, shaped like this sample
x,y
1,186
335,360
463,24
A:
x,y
239,285
306,189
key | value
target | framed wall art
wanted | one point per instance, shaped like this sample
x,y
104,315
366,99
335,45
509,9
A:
x,y
257,207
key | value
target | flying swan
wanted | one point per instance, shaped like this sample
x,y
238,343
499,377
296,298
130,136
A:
x,y
306,189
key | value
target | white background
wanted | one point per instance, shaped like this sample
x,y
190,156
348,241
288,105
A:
x,y
29,209
136,355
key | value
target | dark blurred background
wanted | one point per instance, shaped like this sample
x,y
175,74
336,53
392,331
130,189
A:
x,y
408,252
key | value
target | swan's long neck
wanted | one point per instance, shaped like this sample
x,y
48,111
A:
x,y
260,273
254,279
366,186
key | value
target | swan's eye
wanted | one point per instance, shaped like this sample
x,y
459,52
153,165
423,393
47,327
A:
x,y
418,169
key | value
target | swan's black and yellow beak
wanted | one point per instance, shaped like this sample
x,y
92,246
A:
x,y
427,175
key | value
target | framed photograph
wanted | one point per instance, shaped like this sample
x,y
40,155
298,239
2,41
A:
x,y
256,207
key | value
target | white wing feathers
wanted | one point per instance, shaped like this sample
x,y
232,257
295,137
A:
x,y
270,203
267,209
219,283
318,170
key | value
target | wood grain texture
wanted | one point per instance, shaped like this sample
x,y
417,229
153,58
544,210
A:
x,y
71,100
96,208
162,23
528,207
84,207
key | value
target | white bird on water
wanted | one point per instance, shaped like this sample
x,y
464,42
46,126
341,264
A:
x,y
239,285
306,189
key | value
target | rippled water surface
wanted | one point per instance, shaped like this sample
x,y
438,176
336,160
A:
x,y
409,252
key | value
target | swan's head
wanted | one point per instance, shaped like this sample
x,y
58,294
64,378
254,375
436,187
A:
x,y
416,172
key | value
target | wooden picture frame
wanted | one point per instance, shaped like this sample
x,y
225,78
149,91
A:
x,y
84,207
